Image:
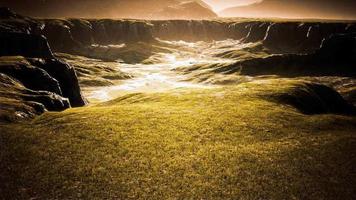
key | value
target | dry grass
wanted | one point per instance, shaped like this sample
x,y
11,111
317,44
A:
x,y
225,143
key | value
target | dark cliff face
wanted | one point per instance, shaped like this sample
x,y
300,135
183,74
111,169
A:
x,y
36,46
73,34
34,80
335,57
279,37
26,90
66,77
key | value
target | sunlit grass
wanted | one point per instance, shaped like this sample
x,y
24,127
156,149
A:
x,y
223,143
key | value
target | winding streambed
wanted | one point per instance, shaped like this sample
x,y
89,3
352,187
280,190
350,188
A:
x,y
160,76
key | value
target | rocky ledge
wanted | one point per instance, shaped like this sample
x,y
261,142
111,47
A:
x,y
33,80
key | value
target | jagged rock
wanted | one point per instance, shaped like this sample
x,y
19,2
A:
x,y
71,36
28,45
18,102
66,77
30,76
50,75
59,35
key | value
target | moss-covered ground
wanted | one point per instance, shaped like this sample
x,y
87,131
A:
x,y
224,143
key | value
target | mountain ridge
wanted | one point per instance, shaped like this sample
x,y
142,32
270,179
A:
x,y
138,9
316,9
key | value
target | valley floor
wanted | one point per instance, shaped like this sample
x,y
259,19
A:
x,y
187,138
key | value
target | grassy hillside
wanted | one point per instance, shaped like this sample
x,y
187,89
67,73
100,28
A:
x,y
236,142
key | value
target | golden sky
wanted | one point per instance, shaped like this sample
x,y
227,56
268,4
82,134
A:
x,y
219,5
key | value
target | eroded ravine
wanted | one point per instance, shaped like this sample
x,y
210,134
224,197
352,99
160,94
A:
x,y
160,75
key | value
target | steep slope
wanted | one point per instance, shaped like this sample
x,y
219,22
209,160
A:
x,y
140,9
329,9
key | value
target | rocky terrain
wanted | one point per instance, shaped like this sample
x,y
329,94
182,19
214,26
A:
x,y
288,48
176,109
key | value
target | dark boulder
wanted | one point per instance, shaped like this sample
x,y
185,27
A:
x,y
17,102
50,101
30,76
66,77
312,98
51,75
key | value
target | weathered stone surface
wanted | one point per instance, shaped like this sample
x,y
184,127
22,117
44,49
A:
x,y
66,77
32,77
17,102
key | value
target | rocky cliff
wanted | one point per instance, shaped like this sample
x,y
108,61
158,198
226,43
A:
x,y
32,79
74,34
303,48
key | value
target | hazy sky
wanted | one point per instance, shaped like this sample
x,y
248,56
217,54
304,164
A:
x,y
219,5
150,9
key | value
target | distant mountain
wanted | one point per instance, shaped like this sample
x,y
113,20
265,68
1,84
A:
x,y
321,9
184,10
139,9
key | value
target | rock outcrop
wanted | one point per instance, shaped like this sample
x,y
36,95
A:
x,y
45,76
312,98
17,102
66,77
72,35
312,49
32,79
335,57
28,45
